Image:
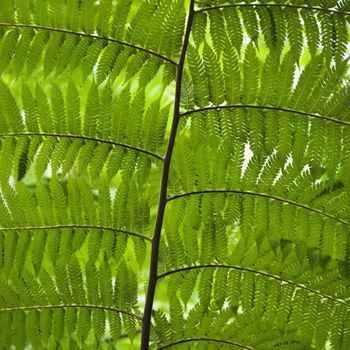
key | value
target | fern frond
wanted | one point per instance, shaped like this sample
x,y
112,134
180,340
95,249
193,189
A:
x,y
174,173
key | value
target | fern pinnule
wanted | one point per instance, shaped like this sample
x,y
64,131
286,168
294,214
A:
x,y
22,47
91,111
213,68
120,18
233,22
175,252
134,64
312,30
250,23
337,102
102,21
162,332
199,28
256,130
326,26
106,62
341,33
205,287
295,31
219,290
232,75
8,48
285,78
300,143
36,50
317,142
217,31
58,111
200,80
149,70
268,26
10,109
22,158
308,78
64,55
269,82
250,86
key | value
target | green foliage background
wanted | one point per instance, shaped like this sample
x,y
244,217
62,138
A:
x,y
254,243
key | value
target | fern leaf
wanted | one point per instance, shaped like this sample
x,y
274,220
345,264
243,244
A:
x,y
184,163
10,109
295,32
36,49
217,32
44,112
327,34
268,87
58,111
213,68
52,52
199,28
232,75
312,31
106,62
8,46
200,82
251,72
233,27
341,34
91,112
250,22
102,21
22,47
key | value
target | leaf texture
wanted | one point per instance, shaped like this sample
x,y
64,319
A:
x,y
174,174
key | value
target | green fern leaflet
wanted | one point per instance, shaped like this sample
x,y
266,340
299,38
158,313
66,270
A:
x,y
175,174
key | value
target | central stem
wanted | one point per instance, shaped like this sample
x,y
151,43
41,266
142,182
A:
x,y
152,281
